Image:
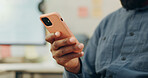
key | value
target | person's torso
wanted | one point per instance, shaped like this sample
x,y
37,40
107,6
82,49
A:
x,y
123,44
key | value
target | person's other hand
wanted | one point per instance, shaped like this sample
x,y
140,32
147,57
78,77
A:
x,y
66,51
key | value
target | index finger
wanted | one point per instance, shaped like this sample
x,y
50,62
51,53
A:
x,y
52,36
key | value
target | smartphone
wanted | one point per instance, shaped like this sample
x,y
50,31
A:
x,y
54,22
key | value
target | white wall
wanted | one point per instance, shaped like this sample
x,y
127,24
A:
x,y
68,9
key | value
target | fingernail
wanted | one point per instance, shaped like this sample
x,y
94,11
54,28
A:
x,y
72,40
80,46
81,53
57,34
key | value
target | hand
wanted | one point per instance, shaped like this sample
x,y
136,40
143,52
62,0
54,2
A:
x,y
66,51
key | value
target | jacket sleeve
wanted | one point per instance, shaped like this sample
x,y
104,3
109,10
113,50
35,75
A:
x,y
88,63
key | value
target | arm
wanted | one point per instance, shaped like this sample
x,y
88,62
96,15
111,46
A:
x,y
88,63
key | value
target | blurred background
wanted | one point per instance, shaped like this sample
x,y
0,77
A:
x,y
23,50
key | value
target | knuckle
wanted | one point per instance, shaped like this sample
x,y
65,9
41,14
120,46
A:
x,y
65,41
54,56
73,56
60,52
74,48
59,61
55,45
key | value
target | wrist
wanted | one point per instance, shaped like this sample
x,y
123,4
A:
x,y
74,70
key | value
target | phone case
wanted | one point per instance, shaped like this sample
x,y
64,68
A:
x,y
58,24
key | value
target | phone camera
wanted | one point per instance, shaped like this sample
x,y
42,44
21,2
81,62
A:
x,y
46,21
61,19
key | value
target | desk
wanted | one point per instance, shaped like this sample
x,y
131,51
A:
x,y
31,68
